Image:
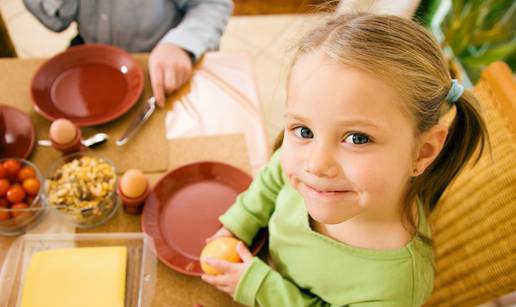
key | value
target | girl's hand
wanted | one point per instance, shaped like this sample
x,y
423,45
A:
x,y
222,232
230,271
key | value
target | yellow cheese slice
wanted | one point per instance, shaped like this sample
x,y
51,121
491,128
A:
x,y
86,276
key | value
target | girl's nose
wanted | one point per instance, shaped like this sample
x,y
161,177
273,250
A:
x,y
322,163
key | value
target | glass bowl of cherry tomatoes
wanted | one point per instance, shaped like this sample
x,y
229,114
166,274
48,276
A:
x,y
21,196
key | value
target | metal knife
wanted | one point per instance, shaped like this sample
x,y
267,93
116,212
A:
x,y
146,112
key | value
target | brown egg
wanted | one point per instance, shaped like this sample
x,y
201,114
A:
x,y
133,183
62,131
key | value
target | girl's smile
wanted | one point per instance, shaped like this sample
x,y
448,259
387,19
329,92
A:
x,y
325,193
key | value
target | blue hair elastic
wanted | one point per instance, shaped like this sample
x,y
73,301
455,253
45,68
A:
x,y
456,90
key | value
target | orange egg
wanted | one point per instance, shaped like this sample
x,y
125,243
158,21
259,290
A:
x,y
221,248
62,131
133,183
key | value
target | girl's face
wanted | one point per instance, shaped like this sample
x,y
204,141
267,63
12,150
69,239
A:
x,y
348,148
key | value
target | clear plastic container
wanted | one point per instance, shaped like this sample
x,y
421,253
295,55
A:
x,y
141,262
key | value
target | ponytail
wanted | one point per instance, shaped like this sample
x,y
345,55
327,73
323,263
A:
x,y
466,133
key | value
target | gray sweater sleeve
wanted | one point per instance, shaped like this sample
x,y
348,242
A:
x,y
54,14
202,26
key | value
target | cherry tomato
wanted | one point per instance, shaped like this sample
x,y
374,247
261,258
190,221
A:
x,y
3,171
12,167
4,215
31,186
16,213
26,172
4,186
29,200
15,194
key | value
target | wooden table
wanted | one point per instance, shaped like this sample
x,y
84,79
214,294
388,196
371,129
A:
x,y
172,288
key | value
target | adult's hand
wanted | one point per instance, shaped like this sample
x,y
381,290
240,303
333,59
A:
x,y
169,68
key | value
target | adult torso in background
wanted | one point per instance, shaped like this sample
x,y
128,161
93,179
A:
x,y
134,25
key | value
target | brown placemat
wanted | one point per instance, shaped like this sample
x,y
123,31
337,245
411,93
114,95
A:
x,y
146,150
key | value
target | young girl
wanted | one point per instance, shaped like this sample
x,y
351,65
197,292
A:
x,y
363,160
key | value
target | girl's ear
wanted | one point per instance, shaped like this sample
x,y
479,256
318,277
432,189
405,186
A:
x,y
430,145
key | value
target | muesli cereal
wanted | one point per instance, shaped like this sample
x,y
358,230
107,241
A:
x,y
83,189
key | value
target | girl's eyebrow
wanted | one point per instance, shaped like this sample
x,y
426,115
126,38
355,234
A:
x,y
340,123
357,123
296,117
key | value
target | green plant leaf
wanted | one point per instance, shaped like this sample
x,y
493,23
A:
x,y
491,55
499,27
499,11
475,26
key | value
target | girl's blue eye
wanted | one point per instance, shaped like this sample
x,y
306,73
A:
x,y
357,139
303,132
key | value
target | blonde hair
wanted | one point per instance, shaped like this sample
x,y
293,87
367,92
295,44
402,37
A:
x,y
406,56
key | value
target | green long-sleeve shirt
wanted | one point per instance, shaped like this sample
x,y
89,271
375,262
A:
x,y
311,269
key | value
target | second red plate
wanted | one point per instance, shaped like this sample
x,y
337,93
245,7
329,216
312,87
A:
x,y
183,209
17,135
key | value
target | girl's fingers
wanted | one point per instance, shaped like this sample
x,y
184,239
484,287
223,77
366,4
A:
x,y
216,235
218,264
222,232
226,289
218,281
212,279
244,252
212,238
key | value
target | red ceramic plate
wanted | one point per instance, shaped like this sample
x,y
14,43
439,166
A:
x,y
183,209
16,133
89,84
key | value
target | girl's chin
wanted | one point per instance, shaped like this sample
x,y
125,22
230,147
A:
x,y
325,217
327,221
330,213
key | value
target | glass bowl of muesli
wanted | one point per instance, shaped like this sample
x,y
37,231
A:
x,y
82,187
